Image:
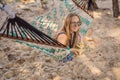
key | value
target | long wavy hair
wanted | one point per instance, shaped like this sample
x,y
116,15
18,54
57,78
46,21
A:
x,y
66,29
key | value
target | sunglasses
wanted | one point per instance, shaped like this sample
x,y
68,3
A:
x,y
75,23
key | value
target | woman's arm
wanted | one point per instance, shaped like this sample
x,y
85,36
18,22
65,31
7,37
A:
x,y
62,38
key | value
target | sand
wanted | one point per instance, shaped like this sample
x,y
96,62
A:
x,y
100,61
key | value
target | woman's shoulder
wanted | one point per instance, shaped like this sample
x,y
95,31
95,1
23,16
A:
x,y
62,38
62,34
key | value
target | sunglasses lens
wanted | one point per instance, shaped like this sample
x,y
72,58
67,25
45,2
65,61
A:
x,y
76,23
79,24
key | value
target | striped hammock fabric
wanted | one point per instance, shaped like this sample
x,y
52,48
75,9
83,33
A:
x,y
17,28
49,23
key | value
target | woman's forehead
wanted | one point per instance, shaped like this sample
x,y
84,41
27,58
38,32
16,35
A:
x,y
75,18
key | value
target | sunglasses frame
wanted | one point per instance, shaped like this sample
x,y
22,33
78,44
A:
x,y
75,23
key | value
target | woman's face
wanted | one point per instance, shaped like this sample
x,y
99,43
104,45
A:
x,y
75,24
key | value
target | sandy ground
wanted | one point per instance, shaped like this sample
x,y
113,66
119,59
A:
x,y
100,61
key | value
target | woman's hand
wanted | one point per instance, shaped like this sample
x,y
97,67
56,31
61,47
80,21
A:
x,y
75,51
79,48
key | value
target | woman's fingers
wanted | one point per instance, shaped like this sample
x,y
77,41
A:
x,y
75,51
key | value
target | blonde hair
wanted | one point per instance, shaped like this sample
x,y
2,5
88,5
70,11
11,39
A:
x,y
66,28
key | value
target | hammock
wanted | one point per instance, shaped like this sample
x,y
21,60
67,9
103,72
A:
x,y
18,28
51,22
83,4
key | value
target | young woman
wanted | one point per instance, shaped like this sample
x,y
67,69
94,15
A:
x,y
69,35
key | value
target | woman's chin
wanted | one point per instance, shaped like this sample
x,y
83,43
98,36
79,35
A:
x,y
75,30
